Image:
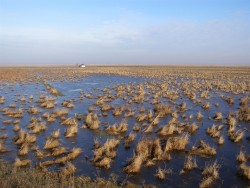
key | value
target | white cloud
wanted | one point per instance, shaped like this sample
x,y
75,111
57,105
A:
x,y
218,41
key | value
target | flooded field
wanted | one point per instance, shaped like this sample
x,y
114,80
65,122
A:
x,y
174,127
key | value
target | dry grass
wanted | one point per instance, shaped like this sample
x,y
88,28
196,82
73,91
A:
x,y
236,136
190,163
135,165
2,148
29,178
71,131
241,157
21,163
211,173
51,143
161,173
55,134
203,149
218,116
68,170
92,121
244,170
177,143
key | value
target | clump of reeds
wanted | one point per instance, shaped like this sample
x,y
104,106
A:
x,y
161,173
35,120
48,104
129,113
199,116
130,138
231,121
2,99
92,121
24,137
218,116
241,157
104,162
24,150
192,128
118,111
168,129
244,170
220,140
60,112
182,106
46,163
149,129
33,110
236,136
40,154
51,143
206,106
67,104
68,170
21,163
203,149
2,148
7,121
71,131
74,153
177,143
211,174
106,107
162,110
16,128
70,122
136,127
141,117
229,100
135,164
58,151
55,134
103,155
214,131
190,163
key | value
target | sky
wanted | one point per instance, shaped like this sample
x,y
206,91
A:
x,y
171,32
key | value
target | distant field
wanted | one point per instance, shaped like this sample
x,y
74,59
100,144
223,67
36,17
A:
x,y
114,126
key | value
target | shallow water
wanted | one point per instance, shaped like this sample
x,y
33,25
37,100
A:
x,y
226,153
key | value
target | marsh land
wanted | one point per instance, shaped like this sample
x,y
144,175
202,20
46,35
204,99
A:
x,y
128,126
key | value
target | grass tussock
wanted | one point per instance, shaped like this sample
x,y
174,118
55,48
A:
x,y
103,155
236,136
71,131
161,174
92,121
177,143
190,163
210,174
68,170
69,122
203,149
21,163
2,148
56,134
51,143
244,170
241,157
218,116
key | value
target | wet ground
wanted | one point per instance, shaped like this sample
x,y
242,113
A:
x,y
72,90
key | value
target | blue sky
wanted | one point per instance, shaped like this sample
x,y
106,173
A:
x,y
206,32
